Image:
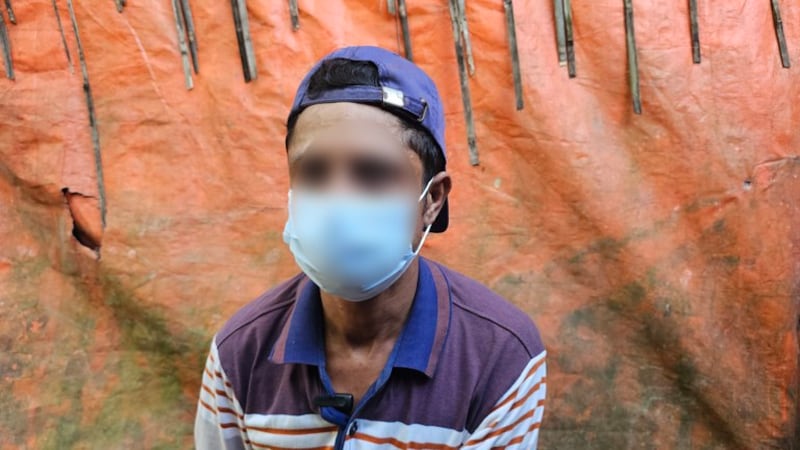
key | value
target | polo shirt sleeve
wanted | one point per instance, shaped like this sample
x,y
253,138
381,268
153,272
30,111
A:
x,y
513,422
219,423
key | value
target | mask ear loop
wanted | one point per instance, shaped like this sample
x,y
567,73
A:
x,y
428,228
425,191
422,241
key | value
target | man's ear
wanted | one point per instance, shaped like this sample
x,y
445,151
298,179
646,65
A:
x,y
437,194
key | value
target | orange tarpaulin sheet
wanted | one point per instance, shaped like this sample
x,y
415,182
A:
x,y
659,254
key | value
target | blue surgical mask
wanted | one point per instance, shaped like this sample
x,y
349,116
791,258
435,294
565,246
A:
x,y
352,246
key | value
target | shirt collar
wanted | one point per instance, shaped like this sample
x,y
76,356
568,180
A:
x,y
418,347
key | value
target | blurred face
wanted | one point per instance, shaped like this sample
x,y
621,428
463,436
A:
x,y
352,148
353,206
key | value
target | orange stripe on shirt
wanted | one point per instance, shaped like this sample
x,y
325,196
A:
x,y
502,430
297,431
215,392
527,375
222,393
272,447
223,409
400,444
219,375
208,407
532,391
522,401
517,439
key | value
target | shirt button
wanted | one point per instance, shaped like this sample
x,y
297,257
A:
x,y
353,428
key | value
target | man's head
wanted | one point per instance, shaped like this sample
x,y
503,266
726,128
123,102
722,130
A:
x,y
366,120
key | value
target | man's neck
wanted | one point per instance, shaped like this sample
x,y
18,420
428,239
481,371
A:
x,y
363,324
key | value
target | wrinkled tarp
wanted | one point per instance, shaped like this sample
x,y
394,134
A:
x,y
659,254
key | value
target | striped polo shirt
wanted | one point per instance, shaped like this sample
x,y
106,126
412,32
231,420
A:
x,y
467,371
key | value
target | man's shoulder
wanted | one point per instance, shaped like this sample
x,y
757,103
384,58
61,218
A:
x,y
267,310
482,308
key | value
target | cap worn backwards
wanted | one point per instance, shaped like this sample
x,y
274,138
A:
x,y
404,90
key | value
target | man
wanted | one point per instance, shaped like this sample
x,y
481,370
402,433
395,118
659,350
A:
x,y
371,346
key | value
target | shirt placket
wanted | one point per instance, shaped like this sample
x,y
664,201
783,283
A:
x,y
348,424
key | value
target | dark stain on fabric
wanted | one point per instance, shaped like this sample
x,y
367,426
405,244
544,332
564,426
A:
x,y
628,297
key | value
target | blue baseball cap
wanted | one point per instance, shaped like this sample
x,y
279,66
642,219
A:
x,y
404,90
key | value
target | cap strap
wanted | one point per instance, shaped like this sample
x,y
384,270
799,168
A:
x,y
385,96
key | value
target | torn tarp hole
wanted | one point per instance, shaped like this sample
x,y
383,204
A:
x,y
86,221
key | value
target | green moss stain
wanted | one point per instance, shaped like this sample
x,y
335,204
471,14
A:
x,y
627,298
606,247
27,270
140,383
149,392
730,260
13,425
686,373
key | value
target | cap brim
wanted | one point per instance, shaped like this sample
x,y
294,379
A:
x,y
443,219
